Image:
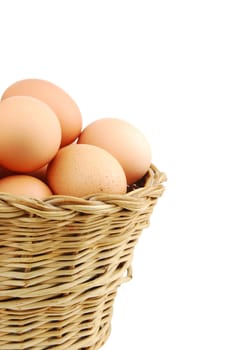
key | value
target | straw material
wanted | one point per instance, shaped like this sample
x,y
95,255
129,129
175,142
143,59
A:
x,y
62,261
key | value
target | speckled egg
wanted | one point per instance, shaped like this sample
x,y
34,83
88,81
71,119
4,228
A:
x,y
81,170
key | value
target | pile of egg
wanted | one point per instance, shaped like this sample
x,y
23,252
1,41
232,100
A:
x,y
44,150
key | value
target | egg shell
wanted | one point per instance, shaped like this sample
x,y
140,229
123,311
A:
x,y
30,134
124,141
59,101
25,185
81,170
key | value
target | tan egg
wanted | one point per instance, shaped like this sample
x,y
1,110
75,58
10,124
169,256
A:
x,y
30,134
124,141
25,185
81,170
60,102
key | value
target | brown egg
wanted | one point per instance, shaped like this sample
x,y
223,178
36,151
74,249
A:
x,y
124,141
4,172
30,134
80,170
25,185
60,102
39,173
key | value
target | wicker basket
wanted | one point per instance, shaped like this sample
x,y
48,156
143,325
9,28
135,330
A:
x,y
62,261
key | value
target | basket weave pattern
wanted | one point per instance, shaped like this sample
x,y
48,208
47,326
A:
x,y
62,261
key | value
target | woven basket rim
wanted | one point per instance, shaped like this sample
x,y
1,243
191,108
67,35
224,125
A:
x,y
153,182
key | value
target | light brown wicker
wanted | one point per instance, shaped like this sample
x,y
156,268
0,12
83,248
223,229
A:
x,y
62,261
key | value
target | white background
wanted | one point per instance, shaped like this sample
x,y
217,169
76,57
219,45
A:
x,y
167,67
